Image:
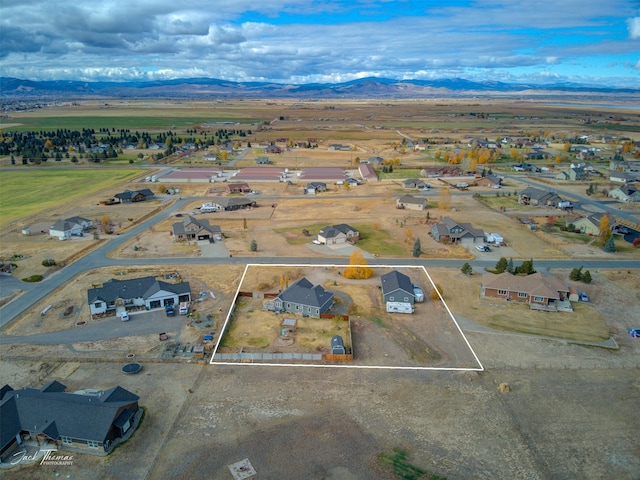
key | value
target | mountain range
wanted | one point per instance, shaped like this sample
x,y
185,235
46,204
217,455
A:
x,y
372,87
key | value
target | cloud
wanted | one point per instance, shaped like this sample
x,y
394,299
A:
x,y
633,26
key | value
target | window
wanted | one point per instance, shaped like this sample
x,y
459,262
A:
x,y
406,299
392,299
93,444
66,440
522,295
97,304
538,299
502,292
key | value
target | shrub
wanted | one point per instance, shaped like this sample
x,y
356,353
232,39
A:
x,y
576,274
434,293
49,262
466,269
586,277
33,279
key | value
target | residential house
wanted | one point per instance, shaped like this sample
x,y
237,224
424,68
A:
x,y
315,187
437,172
624,177
590,225
397,287
191,228
132,196
489,181
574,174
540,291
352,182
536,197
337,234
136,293
262,160
88,422
454,232
411,203
374,161
238,188
70,227
367,172
304,298
413,183
232,203
272,149
628,193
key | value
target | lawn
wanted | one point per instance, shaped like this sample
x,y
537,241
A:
x,y
27,192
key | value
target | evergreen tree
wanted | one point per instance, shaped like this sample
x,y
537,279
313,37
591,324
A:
x,y
417,248
510,267
586,277
502,265
254,246
466,269
576,274
610,246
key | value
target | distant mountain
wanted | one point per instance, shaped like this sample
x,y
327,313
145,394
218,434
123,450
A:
x,y
372,87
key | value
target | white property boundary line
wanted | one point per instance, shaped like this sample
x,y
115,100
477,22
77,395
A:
x,y
480,368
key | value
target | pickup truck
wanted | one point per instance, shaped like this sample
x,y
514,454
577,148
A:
x,y
170,310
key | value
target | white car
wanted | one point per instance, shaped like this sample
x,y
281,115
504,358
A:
x,y
124,316
480,248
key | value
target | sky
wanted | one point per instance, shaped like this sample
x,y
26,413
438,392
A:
x,y
594,42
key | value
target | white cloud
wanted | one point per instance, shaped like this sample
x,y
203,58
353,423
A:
x,y
633,26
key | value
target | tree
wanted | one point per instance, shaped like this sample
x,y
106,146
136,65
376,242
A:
x,y
253,246
417,248
586,277
510,267
502,265
244,224
526,268
576,274
434,292
605,230
466,269
445,198
357,268
610,246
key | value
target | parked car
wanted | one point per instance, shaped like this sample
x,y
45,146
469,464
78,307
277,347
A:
x,y
480,248
124,316
170,310
634,332
418,293
583,297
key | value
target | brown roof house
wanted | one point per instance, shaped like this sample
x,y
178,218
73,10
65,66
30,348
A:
x,y
453,232
541,292
411,203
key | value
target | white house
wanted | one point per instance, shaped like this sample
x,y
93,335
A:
x,y
70,227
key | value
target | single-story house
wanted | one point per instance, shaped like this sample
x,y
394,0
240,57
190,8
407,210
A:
x,y
413,183
145,292
131,196
88,422
367,172
590,225
272,149
488,181
262,160
540,291
232,203
352,182
336,234
304,298
397,287
70,227
574,173
315,187
193,229
374,161
411,203
536,197
625,194
451,231
238,188
623,177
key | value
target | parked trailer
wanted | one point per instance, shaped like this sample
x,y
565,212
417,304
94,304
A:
x,y
399,307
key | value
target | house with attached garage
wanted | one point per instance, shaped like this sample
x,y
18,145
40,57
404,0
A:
x,y
315,187
132,196
70,227
590,225
232,203
88,421
411,203
536,197
397,288
489,181
146,293
304,298
628,193
337,234
192,229
541,292
450,231
413,183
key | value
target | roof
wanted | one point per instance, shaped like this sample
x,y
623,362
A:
x,y
134,288
56,413
394,281
179,227
334,230
129,194
412,199
540,195
448,224
305,293
537,284
226,202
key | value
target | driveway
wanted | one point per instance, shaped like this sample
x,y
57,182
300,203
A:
x,y
340,250
213,250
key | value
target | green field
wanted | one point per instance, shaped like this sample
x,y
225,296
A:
x,y
27,192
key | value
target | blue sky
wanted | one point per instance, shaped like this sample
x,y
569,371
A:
x,y
303,41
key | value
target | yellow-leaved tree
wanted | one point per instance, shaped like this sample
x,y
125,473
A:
x,y
605,230
357,268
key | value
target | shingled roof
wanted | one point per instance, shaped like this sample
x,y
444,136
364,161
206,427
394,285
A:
x,y
305,293
134,288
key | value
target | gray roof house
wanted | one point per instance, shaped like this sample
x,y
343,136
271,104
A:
x,y
397,287
92,422
131,196
453,232
314,187
336,234
414,183
535,196
137,293
192,229
625,194
411,203
304,298
69,227
232,203
574,173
